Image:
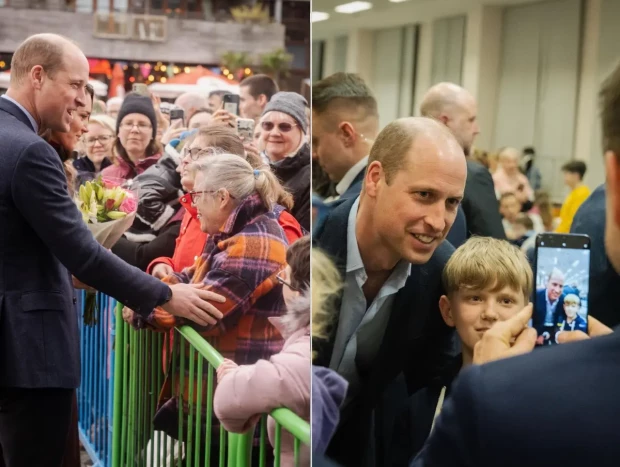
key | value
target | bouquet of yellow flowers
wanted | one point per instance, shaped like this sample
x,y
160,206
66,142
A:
x,y
108,209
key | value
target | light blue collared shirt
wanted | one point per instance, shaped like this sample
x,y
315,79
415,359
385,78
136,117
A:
x,y
361,328
33,122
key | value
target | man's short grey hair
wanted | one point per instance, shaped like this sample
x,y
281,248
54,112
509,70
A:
x,y
46,50
346,89
555,272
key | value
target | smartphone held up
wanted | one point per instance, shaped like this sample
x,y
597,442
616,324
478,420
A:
x,y
230,103
562,277
245,129
141,88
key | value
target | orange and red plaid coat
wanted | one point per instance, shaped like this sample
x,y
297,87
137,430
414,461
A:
x,y
240,263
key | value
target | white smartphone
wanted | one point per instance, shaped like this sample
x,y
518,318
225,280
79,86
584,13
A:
x,y
245,129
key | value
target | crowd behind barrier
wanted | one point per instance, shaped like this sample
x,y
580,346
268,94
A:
x,y
122,371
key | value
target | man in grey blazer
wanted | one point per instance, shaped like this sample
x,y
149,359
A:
x,y
43,241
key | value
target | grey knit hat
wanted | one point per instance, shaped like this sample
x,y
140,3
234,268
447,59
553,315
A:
x,y
292,104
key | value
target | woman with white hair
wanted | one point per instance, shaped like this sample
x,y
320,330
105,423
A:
x,y
509,179
245,251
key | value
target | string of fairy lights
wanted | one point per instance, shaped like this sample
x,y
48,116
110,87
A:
x,y
149,72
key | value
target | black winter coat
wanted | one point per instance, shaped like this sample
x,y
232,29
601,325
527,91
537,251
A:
x,y
159,190
294,174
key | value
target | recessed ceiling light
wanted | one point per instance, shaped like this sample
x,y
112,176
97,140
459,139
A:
x,y
398,1
353,7
317,16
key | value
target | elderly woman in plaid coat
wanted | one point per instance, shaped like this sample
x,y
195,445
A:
x,y
245,252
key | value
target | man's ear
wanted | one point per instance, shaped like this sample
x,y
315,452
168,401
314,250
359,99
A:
x,y
443,118
262,100
36,76
446,311
612,168
372,179
347,134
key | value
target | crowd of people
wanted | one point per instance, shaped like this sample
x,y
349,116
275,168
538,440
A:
x,y
421,286
219,242
433,247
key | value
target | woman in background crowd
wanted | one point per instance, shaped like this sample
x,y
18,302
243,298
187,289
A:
x,y
136,145
98,143
284,127
64,144
210,142
509,179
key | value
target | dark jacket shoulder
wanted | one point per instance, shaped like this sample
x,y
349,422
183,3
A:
x,y
548,399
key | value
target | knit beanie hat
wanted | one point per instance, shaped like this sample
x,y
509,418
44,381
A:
x,y
137,104
292,104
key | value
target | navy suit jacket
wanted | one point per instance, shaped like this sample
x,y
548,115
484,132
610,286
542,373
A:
x,y
554,407
417,342
42,241
590,220
480,203
540,310
355,187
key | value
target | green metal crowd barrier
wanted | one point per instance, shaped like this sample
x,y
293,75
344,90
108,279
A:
x,y
138,378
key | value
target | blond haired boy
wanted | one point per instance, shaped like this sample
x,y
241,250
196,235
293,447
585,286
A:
x,y
486,280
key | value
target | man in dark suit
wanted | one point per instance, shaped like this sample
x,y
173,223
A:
x,y
345,122
553,407
456,108
590,220
389,247
42,241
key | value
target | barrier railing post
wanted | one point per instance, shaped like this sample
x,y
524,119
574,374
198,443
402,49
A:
x,y
118,395
132,412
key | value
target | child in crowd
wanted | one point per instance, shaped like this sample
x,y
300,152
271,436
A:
x,y
573,178
509,208
328,387
523,228
245,392
486,280
571,321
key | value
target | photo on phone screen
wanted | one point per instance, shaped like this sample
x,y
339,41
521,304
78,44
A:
x,y
141,89
177,114
231,103
245,129
562,280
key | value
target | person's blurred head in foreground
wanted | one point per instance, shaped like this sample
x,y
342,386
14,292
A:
x,y
609,102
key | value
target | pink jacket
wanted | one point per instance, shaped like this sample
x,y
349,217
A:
x,y
281,381
125,171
